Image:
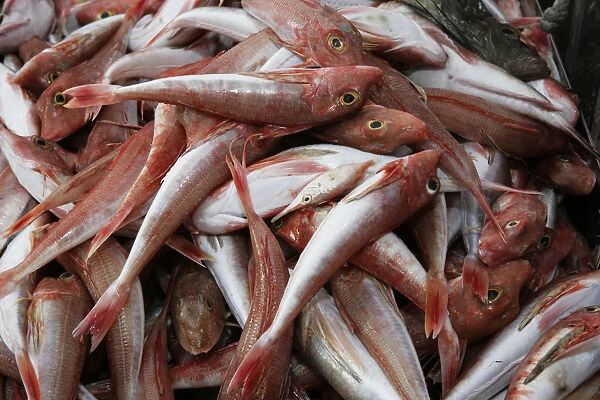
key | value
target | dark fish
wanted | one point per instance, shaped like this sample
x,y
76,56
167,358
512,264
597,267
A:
x,y
469,23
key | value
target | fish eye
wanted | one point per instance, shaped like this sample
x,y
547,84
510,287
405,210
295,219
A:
x,y
494,294
375,124
510,32
513,223
277,224
209,305
336,43
349,98
65,275
41,142
59,98
563,159
52,76
306,198
433,185
592,309
544,242
105,14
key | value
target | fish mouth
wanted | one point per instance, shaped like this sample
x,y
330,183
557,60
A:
x,y
529,68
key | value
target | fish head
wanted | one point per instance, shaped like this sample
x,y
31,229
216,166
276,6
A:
x,y
580,259
522,218
376,129
473,318
297,228
57,120
198,310
332,40
422,173
34,155
340,91
567,173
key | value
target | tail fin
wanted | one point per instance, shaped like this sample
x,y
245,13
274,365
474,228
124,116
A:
x,y
92,95
251,368
111,227
103,314
25,220
450,356
475,274
436,306
29,376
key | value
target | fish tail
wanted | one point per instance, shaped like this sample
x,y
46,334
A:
x,y
253,366
97,94
24,221
476,275
238,172
111,227
101,317
29,376
436,305
450,356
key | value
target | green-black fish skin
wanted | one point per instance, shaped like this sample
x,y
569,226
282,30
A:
x,y
470,24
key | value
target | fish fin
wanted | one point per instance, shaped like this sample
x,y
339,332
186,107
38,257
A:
x,y
29,376
104,313
274,131
92,95
450,356
287,75
10,278
483,203
12,26
567,344
498,187
475,274
256,361
108,229
546,302
383,177
188,249
436,304
24,221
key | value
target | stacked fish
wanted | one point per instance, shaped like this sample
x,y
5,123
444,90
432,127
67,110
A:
x,y
284,152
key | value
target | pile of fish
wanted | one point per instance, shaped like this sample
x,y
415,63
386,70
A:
x,y
290,199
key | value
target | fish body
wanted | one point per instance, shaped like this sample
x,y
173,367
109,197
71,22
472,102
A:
x,y
284,97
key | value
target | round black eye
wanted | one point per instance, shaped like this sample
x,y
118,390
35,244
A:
x,y
375,124
564,159
513,223
40,142
348,98
494,293
592,309
52,76
336,43
105,14
510,32
544,242
59,99
277,224
306,198
65,275
433,185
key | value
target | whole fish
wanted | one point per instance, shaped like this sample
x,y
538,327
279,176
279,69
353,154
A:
x,y
477,30
396,196
284,97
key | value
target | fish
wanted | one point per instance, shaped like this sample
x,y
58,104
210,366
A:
x,y
561,359
325,252
197,309
17,24
478,31
284,97
566,173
